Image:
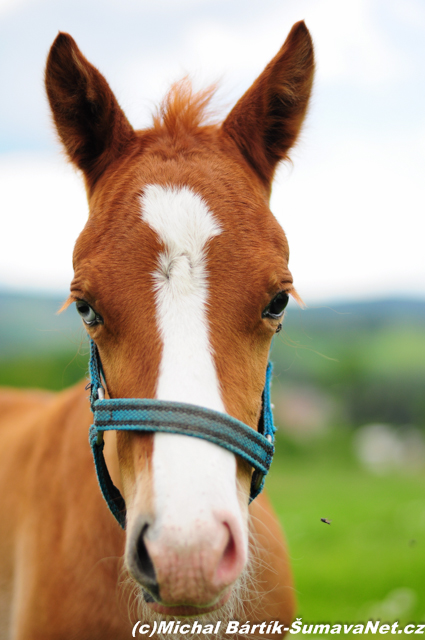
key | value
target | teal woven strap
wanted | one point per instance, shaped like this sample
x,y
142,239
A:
x,y
113,497
149,415
189,420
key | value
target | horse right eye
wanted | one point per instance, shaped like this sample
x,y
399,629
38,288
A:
x,y
88,314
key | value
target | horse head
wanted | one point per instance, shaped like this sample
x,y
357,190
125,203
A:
x,y
181,278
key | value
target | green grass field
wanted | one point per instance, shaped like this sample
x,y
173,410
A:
x,y
370,562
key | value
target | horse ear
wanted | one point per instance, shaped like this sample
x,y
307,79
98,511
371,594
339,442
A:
x,y
267,119
88,118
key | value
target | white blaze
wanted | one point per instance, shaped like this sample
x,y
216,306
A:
x,y
184,225
193,479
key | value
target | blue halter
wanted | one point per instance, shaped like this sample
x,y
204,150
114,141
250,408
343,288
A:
x,y
148,415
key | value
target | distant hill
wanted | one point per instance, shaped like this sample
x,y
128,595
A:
x,y
31,324
346,316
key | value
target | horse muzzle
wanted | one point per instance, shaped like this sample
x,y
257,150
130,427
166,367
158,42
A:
x,y
187,572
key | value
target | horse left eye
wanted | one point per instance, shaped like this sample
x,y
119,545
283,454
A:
x,y
88,314
277,306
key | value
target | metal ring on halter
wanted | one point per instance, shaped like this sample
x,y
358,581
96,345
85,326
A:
x,y
101,396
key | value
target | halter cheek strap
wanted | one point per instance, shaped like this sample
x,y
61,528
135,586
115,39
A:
x,y
149,415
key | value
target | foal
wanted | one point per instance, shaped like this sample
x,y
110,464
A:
x,y
181,280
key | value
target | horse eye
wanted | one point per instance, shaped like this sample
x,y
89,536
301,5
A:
x,y
277,306
88,315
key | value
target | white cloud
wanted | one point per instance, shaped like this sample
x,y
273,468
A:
x,y
352,46
157,6
44,209
8,6
411,12
355,221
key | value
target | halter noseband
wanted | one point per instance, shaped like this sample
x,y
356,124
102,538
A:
x,y
148,415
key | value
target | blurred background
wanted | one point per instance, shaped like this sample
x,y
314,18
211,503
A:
x,y
350,368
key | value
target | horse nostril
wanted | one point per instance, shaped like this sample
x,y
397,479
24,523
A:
x,y
229,557
144,561
233,556
145,570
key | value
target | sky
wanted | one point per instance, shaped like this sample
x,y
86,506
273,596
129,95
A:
x,y
352,202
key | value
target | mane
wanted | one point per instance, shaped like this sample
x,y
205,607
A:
x,y
182,109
